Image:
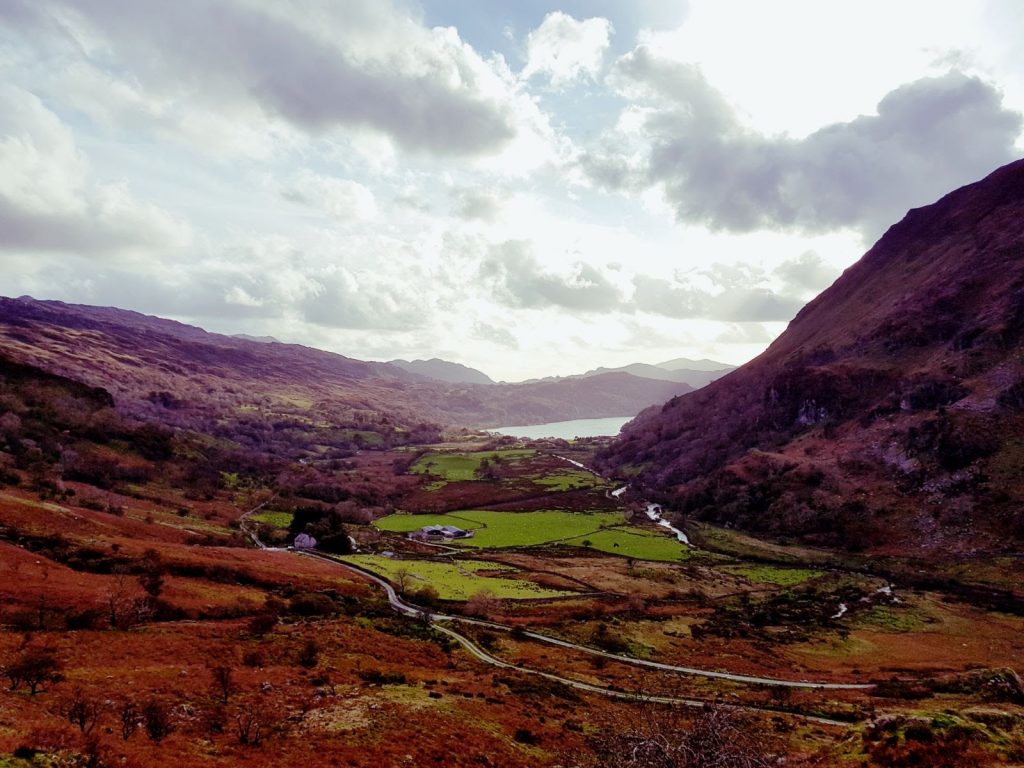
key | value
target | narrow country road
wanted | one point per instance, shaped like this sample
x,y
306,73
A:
x,y
439,622
407,609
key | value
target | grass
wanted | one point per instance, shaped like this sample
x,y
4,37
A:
x,y
458,580
509,529
636,543
769,574
456,467
736,544
893,619
276,519
569,480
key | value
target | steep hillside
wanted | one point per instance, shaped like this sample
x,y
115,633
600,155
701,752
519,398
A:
x,y
889,414
175,374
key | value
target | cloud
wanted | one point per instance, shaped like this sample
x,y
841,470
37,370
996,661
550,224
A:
x,y
807,273
265,281
519,280
927,137
565,49
343,199
49,200
745,333
343,300
315,66
681,300
476,204
495,334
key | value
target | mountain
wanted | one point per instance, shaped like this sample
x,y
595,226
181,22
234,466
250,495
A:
x,y
182,376
686,364
889,414
539,402
695,377
443,370
264,339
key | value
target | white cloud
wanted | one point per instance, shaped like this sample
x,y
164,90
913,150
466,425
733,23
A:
x,y
355,179
565,49
314,69
49,200
344,199
864,173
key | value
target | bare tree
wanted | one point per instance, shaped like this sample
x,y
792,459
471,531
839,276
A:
x,y
483,604
402,576
37,668
254,721
156,718
223,681
122,601
130,716
82,711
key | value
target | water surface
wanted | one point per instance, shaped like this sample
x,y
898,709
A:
x,y
567,430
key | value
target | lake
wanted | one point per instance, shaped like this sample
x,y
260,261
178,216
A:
x,y
567,429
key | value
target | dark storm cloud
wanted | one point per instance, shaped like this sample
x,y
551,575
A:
x,y
421,90
519,280
928,137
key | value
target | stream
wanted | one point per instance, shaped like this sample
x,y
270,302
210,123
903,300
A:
x,y
654,514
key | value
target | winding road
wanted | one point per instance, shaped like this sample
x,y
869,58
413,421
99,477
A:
x,y
441,622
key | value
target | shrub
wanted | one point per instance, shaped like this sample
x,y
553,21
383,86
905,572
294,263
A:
x,y
37,668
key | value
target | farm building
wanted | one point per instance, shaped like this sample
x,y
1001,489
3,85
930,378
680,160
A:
x,y
304,541
435,532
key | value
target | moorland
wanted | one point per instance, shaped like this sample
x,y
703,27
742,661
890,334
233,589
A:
x,y
846,589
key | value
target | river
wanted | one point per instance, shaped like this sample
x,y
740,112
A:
x,y
567,429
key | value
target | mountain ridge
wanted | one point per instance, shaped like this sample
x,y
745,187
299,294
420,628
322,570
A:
x,y
144,361
891,397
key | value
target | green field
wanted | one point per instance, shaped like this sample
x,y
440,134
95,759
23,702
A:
x,y
455,467
569,480
458,580
508,529
276,519
769,574
636,543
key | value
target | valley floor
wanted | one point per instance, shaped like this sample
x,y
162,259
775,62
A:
x,y
142,627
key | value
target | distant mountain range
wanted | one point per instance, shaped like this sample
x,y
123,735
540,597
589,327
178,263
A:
x,y
889,414
178,374
443,370
696,377
695,373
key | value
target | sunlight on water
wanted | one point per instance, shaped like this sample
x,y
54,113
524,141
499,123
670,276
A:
x,y
567,429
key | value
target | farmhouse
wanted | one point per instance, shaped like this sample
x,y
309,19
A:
x,y
305,541
438,532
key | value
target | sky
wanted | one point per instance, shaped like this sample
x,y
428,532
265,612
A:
x,y
530,188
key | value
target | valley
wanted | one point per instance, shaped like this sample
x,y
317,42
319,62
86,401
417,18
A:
x,y
567,603
216,550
